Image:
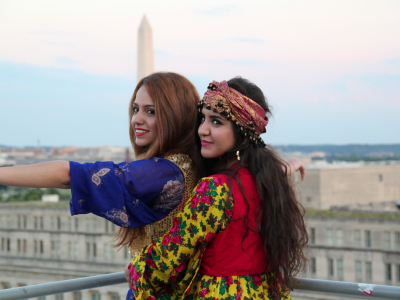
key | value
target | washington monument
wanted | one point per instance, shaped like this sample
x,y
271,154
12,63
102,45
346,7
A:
x,y
145,50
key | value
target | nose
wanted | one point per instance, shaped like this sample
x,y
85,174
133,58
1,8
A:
x,y
204,130
137,119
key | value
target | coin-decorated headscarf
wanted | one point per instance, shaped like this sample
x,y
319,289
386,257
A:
x,y
246,114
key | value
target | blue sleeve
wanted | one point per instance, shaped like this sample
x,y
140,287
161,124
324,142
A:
x,y
128,194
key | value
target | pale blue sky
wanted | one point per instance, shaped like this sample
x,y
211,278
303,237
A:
x,y
330,69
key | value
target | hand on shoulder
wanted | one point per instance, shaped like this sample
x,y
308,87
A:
x,y
295,165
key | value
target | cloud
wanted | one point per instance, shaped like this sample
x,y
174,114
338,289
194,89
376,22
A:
x,y
160,53
64,60
247,40
218,10
393,61
328,122
347,83
245,62
54,43
53,33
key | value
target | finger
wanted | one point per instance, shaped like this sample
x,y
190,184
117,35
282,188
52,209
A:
x,y
302,172
127,272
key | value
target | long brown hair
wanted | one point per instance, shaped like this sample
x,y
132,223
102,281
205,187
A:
x,y
175,99
281,222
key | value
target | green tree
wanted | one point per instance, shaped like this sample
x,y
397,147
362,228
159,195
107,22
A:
x,y
51,191
33,194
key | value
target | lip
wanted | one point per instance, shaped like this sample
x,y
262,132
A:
x,y
144,131
205,143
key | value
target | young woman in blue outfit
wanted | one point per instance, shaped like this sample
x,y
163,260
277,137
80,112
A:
x,y
135,194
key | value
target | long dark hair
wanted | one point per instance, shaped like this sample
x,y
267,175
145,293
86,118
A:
x,y
281,223
175,99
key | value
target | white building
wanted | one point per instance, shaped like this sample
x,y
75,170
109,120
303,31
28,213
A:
x,y
41,242
354,246
349,183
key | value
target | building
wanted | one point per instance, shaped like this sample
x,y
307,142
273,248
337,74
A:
x,y
22,156
41,242
354,246
353,223
330,185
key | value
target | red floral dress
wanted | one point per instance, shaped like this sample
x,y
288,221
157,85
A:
x,y
169,268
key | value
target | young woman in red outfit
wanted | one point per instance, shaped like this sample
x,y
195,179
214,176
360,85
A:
x,y
241,235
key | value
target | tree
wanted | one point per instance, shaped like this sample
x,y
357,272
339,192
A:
x,y
51,191
33,194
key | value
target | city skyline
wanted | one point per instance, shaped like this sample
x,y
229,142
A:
x,y
329,70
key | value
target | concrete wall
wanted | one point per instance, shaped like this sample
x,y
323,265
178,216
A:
x,y
19,267
327,187
350,252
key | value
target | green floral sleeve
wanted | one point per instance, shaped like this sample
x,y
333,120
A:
x,y
166,268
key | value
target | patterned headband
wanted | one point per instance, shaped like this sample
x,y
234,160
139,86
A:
x,y
246,114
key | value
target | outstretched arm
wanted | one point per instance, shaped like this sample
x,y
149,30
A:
x,y
295,165
53,174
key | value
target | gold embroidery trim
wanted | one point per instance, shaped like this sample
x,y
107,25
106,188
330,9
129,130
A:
x,y
160,228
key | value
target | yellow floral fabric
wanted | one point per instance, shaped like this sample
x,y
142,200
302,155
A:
x,y
168,268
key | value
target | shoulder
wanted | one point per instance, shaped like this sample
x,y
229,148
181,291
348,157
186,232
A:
x,y
181,160
155,163
211,181
185,164
211,190
146,174
212,194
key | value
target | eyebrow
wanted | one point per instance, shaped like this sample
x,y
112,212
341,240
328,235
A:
x,y
216,117
146,106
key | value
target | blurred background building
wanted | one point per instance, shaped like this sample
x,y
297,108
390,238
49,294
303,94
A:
x,y
41,242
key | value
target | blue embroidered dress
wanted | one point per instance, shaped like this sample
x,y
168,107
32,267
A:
x,y
129,195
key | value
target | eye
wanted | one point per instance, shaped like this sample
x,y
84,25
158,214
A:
x,y
151,112
202,118
216,122
135,110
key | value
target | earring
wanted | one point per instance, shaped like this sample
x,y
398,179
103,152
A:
x,y
237,154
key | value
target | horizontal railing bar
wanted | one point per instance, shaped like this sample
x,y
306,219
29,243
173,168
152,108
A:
x,y
60,287
348,288
311,285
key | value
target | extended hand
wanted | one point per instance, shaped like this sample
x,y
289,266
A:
x,y
51,174
295,165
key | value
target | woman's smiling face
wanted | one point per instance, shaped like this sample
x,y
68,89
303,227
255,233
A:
x,y
216,134
144,121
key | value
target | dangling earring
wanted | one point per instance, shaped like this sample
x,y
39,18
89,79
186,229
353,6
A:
x,y
237,154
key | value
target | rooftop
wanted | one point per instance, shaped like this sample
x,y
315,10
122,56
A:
x,y
359,214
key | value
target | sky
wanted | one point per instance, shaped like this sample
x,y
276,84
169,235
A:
x,y
329,69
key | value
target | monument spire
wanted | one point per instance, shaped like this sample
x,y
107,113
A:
x,y
145,50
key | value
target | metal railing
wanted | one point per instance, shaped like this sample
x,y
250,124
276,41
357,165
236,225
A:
x,y
60,287
310,285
